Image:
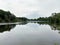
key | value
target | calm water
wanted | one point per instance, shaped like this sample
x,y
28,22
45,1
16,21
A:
x,y
29,34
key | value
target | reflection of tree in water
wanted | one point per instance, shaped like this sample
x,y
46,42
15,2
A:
x,y
23,23
42,23
10,26
55,27
6,27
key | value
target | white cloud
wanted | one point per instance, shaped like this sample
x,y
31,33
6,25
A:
x,y
27,8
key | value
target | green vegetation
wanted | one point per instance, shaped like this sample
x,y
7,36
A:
x,y
42,19
55,18
21,19
7,16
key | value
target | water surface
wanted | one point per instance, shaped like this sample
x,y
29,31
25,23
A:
x,y
29,34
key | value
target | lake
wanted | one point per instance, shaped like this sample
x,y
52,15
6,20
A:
x,y
29,34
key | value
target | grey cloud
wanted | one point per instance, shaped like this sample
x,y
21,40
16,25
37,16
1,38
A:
x,y
34,15
29,8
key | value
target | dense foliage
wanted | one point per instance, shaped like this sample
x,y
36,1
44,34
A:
x,y
6,16
54,18
19,19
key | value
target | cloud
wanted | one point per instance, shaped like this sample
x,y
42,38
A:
x,y
31,8
34,14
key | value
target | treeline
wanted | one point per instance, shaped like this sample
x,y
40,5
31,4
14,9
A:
x,y
21,19
7,16
54,18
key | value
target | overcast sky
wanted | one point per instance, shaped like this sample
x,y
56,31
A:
x,y
31,8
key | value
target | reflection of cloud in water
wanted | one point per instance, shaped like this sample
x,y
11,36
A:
x,y
30,34
33,25
52,26
9,26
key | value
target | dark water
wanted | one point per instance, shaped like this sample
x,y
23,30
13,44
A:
x,y
30,34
